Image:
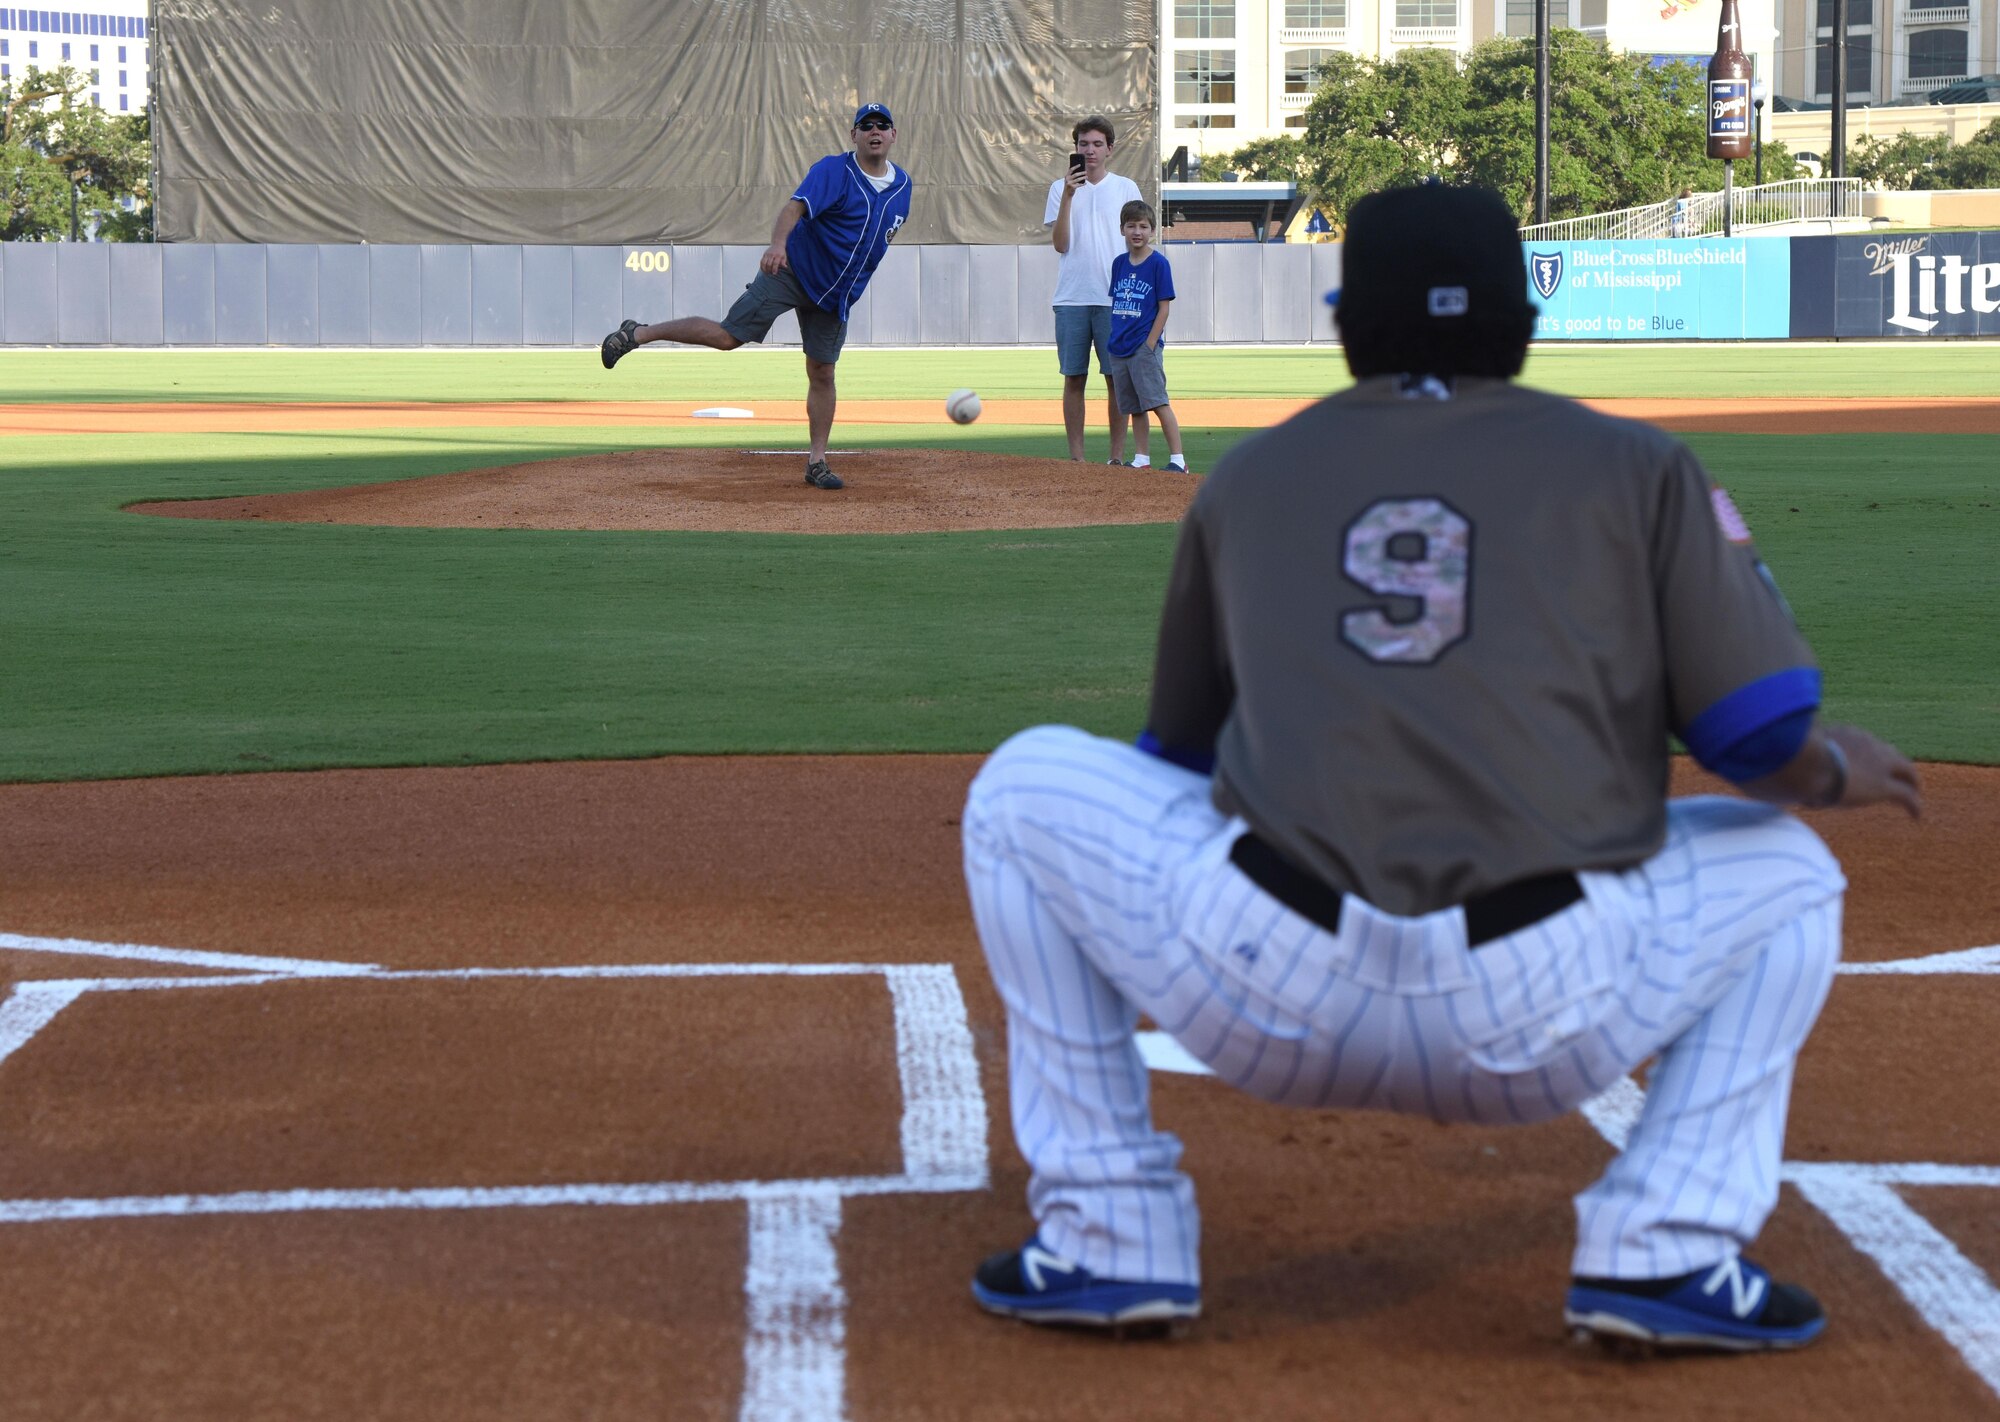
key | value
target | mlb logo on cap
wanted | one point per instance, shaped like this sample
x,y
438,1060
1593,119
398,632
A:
x,y
880,111
1449,301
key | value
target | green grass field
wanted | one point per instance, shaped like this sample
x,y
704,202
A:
x,y
141,646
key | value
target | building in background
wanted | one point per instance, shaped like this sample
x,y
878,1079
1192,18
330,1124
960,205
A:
x,y
1898,51
1234,70
108,42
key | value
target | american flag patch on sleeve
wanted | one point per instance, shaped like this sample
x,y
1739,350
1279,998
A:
x,y
1733,527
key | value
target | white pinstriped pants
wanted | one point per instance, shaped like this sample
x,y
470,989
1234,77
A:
x,y
1102,888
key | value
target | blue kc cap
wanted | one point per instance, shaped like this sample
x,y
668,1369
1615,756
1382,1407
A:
x,y
880,111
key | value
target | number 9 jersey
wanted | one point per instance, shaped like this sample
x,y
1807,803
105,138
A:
x,y
1436,636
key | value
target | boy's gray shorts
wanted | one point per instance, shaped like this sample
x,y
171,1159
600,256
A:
x,y
1140,380
768,297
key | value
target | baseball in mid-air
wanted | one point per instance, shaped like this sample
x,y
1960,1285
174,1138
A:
x,y
962,406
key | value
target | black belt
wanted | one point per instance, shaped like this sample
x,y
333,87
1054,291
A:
x,y
1493,914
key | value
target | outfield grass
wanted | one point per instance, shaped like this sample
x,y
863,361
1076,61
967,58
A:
x,y
1887,370
133,645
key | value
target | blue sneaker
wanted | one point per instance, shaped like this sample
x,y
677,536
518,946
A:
x,y
1032,1284
1734,1307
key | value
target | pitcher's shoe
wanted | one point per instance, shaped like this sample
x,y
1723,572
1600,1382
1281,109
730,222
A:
x,y
1177,464
1034,1285
821,476
620,342
1733,1307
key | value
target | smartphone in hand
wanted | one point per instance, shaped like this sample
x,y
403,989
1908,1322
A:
x,y
1076,162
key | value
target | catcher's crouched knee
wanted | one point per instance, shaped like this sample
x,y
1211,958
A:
x,y
1025,759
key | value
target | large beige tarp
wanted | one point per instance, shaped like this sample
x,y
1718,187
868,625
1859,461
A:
x,y
624,121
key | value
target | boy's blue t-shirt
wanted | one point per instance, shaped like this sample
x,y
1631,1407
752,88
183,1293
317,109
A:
x,y
836,247
1136,294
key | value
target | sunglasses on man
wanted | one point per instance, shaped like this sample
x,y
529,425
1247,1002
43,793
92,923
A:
x,y
874,126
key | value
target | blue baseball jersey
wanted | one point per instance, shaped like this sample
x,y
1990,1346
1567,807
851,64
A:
x,y
836,247
1136,294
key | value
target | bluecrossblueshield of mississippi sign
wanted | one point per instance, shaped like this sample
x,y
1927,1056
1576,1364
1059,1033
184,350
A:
x,y
1547,270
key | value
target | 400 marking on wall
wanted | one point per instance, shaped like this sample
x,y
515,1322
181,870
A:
x,y
649,261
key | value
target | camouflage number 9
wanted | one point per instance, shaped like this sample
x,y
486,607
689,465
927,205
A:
x,y
1409,548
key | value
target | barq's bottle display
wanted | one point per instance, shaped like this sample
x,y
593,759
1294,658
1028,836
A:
x,y
1729,133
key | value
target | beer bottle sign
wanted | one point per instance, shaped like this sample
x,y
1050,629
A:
x,y
1729,76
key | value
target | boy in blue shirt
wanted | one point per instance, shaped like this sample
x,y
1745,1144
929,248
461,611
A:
x,y
1142,288
826,243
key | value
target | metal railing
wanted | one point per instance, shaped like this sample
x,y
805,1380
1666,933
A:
x,y
1768,205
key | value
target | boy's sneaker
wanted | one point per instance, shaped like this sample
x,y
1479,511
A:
x,y
1733,1307
620,342
1118,464
821,476
1036,1286
1140,461
1177,464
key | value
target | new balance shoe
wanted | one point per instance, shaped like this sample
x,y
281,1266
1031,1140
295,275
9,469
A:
x,y
820,475
1733,1307
1139,461
1034,1285
621,342
1177,464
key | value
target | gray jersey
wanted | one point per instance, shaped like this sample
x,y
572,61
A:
x,y
1439,645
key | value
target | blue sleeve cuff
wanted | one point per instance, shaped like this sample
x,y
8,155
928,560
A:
x,y
1758,728
1200,762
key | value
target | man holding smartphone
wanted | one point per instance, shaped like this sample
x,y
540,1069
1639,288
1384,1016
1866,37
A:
x,y
1083,209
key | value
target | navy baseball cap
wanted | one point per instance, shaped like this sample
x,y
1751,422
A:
x,y
880,111
1433,283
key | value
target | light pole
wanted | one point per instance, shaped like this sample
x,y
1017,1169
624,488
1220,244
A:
x,y
1757,108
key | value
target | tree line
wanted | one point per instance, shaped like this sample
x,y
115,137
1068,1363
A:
x,y
67,166
1623,132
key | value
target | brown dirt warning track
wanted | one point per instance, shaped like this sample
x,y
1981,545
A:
x,y
233,1186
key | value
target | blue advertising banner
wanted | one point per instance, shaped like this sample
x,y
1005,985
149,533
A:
x,y
1708,288
1931,284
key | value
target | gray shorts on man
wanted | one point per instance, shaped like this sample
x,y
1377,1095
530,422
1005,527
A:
x,y
769,296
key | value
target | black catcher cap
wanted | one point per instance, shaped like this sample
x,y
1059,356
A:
x,y
1432,283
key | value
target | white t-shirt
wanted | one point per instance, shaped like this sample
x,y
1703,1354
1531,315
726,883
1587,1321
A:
x,y
1084,276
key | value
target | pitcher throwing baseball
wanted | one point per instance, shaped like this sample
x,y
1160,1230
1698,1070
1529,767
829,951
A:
x,y
826,243
1397,838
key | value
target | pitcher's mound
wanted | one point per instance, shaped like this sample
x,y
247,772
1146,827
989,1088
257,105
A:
x,y
715,490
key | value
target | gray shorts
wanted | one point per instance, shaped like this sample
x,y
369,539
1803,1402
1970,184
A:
x,y
768,297
1078,328
1140,380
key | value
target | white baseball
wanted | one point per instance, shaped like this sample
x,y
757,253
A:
x,y
963,406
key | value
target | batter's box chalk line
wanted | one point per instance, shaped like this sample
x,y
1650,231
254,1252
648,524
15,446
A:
x,y
795,1340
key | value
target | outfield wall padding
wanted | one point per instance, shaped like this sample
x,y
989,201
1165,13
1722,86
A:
x,y
1920,287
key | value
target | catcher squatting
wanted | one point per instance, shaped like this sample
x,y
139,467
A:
x,y
1397,834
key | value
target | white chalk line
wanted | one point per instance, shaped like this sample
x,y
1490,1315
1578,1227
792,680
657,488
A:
x,y
1948,1291
794,1354
1971,962
185,957
29,1008
795,1339
474,1197
944,1111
